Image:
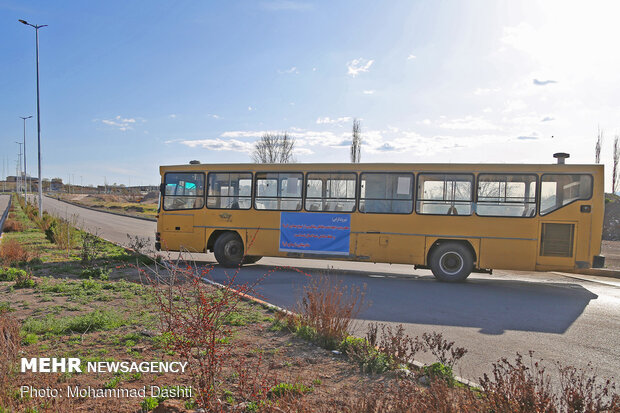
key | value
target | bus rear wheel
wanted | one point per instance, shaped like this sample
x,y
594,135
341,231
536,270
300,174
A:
x,y
228,250
451,262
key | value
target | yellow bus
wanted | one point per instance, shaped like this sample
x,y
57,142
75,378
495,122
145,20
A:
x,y
450,218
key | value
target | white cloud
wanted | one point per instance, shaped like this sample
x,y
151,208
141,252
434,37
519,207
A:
x,y
485,91
250,108
172,116
220,145
213,115
411,57
329,121
357,66
293,70
468,123
119,122
368,92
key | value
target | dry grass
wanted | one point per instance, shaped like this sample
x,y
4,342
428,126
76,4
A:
x,y
11,225
12,252
329,307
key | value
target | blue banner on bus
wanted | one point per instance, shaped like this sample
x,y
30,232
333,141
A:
x,y
315,233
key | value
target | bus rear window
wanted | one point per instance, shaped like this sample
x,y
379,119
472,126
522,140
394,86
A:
x,y
557,190
184,191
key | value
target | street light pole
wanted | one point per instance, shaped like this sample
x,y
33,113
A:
x,y
36,29
25,170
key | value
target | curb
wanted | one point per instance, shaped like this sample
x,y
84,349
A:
x,y
102,210
599,272
5,214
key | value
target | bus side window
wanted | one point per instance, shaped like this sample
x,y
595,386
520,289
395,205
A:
x,y
386,193
333,192
445,194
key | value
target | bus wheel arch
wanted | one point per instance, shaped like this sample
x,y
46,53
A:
x,y
451,260
228,249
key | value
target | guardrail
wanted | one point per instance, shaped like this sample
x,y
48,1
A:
x,y
5,214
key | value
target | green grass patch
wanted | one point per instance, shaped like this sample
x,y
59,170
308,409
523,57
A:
x,y
89,322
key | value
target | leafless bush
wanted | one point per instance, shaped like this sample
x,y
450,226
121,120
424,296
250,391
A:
x,y
192,315
443,350
398,345
580,391
404,396
329,307
518,387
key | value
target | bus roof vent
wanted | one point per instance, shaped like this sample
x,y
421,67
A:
x,y
194,162
561,157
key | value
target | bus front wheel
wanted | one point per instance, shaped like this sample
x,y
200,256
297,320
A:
x,y
451,262
251,259
228,250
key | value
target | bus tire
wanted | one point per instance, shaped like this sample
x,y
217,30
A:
x,y
451,262
251,259
228,250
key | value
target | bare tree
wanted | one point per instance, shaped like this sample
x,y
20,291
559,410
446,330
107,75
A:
x,y
614,177
597,148
274,148
356,142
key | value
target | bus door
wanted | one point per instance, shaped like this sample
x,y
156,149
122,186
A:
x,y
182,210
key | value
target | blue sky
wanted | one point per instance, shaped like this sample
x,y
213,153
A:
x,y
127,86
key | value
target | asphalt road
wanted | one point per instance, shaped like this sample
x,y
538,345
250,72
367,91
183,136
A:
x,y
571,319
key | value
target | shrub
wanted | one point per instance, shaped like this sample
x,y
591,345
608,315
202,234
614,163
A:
x,y
439,371
10,273
12,226
63,232
329,308
365,355
98,273
12,252
24,280
90,247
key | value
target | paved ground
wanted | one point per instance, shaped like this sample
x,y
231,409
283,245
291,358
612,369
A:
x,y
562,317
